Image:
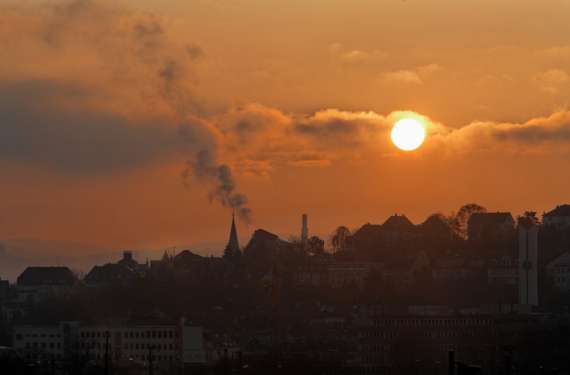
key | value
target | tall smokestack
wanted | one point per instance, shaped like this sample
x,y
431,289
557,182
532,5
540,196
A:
x,y
304,228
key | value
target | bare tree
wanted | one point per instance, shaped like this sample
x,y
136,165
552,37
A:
x,y
528,218
339,238
459,220
315,245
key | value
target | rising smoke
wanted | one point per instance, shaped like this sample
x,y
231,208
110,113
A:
x,y
155,83
205,168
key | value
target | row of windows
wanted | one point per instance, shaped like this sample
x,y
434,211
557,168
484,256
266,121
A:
x,y
137,346
20,336
129,346
132,334
142,357
43,345
31,356
433,322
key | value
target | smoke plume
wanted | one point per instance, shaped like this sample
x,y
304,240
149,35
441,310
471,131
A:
x,y
204,167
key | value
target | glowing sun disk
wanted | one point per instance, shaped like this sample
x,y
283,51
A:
x,y
408,134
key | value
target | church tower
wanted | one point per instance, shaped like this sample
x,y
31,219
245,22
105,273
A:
x,y
232,250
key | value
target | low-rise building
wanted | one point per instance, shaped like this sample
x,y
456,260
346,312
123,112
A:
x,y
37,283
559,271
558,217
336,274
126,269
163,345
502,271
4,289
456,268
45,342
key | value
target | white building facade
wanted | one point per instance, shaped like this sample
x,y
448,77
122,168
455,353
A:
x,y
528,264
163,345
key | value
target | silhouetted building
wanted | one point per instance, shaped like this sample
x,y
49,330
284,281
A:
x,y
264,250
124,270
449,269
398,227
558,217
559,271
4,289
388,341
335,274
528,264
483,226
38,283
46,276
502,270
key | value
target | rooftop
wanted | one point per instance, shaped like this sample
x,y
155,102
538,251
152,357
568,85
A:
x,y
36,276
561,210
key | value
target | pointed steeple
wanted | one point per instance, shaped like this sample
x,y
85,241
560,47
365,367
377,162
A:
x,y
232,248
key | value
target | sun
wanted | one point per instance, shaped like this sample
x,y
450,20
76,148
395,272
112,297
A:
x,y
408,134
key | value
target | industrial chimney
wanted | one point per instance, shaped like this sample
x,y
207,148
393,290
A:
x,y
304,228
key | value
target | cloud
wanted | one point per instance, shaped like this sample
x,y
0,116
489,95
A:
x,y
426,70
402,76
115,94
130,60
356,56
541,135
35,130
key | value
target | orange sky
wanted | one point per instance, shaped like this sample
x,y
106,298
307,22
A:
x,y
105,104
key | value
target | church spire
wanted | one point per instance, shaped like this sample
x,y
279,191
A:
x,y
232,248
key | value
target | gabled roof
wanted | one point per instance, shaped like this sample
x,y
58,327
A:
x,y
110,272
367,229
185,255
187,258
561,210
36,276
398,223
436,224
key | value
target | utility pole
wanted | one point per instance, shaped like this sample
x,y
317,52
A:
x,y
107,353
150,364
451,363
